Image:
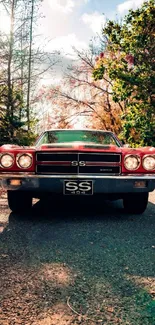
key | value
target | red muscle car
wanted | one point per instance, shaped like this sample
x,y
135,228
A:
x,y
77,163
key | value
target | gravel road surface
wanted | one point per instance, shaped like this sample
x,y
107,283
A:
x,y
70,262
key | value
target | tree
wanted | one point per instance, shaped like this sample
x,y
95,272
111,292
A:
x,y
80,98
20,69
129,61
13,76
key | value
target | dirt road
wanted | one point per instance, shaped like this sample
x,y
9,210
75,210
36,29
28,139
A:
x,y
77,264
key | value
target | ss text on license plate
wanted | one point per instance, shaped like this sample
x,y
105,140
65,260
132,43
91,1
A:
x,y
78,187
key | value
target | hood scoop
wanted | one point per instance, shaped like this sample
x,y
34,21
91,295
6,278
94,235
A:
x,y
98,146
55,145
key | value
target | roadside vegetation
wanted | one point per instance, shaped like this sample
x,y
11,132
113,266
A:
x,y
129,62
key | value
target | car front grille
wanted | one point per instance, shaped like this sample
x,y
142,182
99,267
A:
x,y
58,157
78,163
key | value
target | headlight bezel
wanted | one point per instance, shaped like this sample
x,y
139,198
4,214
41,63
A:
x,y
146,156
7,154
24,154
138,161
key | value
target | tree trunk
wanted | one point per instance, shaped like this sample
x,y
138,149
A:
x,y
10,55
10,106
29,66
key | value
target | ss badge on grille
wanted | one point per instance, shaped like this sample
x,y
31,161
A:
x,y
82,163
76,163
77,187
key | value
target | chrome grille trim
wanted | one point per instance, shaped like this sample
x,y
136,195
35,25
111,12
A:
x,y
61,163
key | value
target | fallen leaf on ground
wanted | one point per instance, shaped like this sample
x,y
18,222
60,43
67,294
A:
x,y
110,309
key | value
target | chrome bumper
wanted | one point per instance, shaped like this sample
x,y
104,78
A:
x,y
101,184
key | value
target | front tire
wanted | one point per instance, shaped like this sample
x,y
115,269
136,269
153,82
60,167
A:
x,y
19,201
135,203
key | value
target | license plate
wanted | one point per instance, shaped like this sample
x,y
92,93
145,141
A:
x,y
78,188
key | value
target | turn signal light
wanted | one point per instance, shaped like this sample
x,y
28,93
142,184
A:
x,y
15,182
141,184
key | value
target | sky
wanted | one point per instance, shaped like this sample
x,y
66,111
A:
x,y
69,23
72,23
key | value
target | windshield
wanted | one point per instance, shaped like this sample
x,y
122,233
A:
x,y
63,136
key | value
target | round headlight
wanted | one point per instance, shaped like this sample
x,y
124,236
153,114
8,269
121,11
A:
x,y
24,161
149,162
131,162
7,160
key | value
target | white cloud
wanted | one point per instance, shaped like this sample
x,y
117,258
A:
x,y
130,4
66,44
95,21
65,6
4,21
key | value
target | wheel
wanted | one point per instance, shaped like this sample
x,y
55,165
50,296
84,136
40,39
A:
x,y
19,201
135,203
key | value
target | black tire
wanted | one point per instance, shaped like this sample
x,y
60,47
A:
x,y
19,201
135,203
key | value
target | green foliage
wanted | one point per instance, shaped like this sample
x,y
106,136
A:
x,y
25,138
136,129
129,61
13,131
98,73
13,126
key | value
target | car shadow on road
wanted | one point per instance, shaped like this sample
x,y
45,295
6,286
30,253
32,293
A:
x,y
66,210
108,255
78,209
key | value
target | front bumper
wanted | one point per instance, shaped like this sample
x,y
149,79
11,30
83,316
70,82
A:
x,y
101,184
